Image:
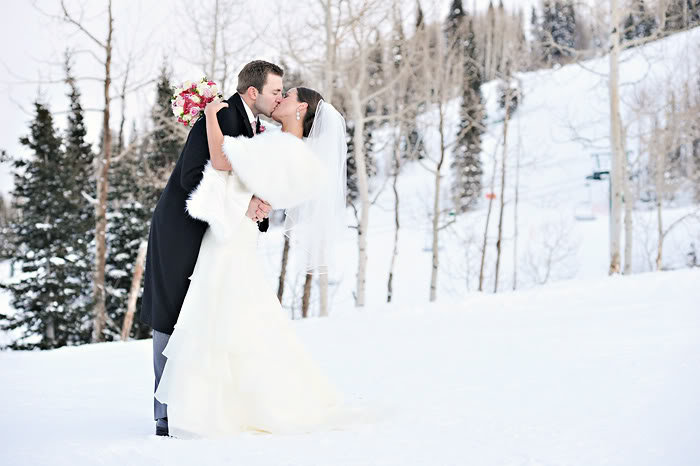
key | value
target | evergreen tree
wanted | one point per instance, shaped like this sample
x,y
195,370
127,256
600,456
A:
x,y
454,24
674,16
79,161
638,23
48,297
536,31
682,14
558,30
352,189
466,163
5,238
419,15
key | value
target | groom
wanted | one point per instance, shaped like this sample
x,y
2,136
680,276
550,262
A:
x,y
175,237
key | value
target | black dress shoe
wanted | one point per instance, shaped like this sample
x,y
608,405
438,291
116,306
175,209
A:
x,y
162,428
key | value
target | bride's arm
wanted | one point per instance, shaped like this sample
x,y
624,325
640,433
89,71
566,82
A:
x,y
215,138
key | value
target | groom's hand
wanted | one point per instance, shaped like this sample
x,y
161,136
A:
x,y
258,209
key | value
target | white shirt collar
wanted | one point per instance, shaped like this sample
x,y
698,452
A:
x,y
248,111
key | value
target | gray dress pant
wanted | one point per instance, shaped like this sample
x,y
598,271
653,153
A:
x,y
160,340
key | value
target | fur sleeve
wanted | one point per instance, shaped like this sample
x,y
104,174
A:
x,y
278,167
220,200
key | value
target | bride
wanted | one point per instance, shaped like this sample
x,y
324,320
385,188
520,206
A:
x,y
235,362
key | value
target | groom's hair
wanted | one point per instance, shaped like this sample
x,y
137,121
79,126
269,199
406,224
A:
x,y
255,74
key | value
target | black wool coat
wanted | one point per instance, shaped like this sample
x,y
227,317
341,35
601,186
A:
x,y
175,237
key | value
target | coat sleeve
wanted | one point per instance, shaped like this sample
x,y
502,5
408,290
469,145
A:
x,y
196,152
278,167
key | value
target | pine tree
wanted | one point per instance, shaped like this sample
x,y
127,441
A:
x,y
466,163
536,31
419,15
352,189
48,297
79,163
682,14
5,238
454,24
674,16
638,23
558,30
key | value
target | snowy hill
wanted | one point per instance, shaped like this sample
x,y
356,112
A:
x,y
585,373
560,132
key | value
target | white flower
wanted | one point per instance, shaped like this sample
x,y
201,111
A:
x,y
177,111
187,84
195,99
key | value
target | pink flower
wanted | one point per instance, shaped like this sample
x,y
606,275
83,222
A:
x,y
194,110
262,129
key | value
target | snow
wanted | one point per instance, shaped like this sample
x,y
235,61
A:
x,y
603,371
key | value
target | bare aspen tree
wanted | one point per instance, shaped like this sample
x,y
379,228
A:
x,y
510,56
134,291
491,198
403,57
616,137
617,42
104,160
515,209
443,59
365,18
222,44
283,268
504,157
306,297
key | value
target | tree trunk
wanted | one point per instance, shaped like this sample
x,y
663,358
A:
x,y
306,298
100,313
436,207
329,64
618,153
395,252
659,157
283,268
629,204
363,188
515,211
486,227
214,37
323,291
134,291
503,188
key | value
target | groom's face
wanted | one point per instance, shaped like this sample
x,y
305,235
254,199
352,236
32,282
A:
x,y
270,96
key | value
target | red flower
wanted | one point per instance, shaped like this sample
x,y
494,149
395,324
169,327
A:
x,y
262,128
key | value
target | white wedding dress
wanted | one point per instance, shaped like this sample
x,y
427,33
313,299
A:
x,y
235,362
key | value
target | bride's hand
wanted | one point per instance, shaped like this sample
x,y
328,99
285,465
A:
x,y
214,106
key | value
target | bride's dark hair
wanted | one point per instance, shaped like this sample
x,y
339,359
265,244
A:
x,y
311,97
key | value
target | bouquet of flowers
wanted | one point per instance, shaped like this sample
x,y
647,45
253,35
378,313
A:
x,y
190,98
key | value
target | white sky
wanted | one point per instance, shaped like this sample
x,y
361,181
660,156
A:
x,y
33,47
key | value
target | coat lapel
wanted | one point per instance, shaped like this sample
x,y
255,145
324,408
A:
x,y
236,102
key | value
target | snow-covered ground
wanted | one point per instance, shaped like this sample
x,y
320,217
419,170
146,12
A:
x,y
589,372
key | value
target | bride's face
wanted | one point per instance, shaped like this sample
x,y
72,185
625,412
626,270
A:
x,y
288,107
